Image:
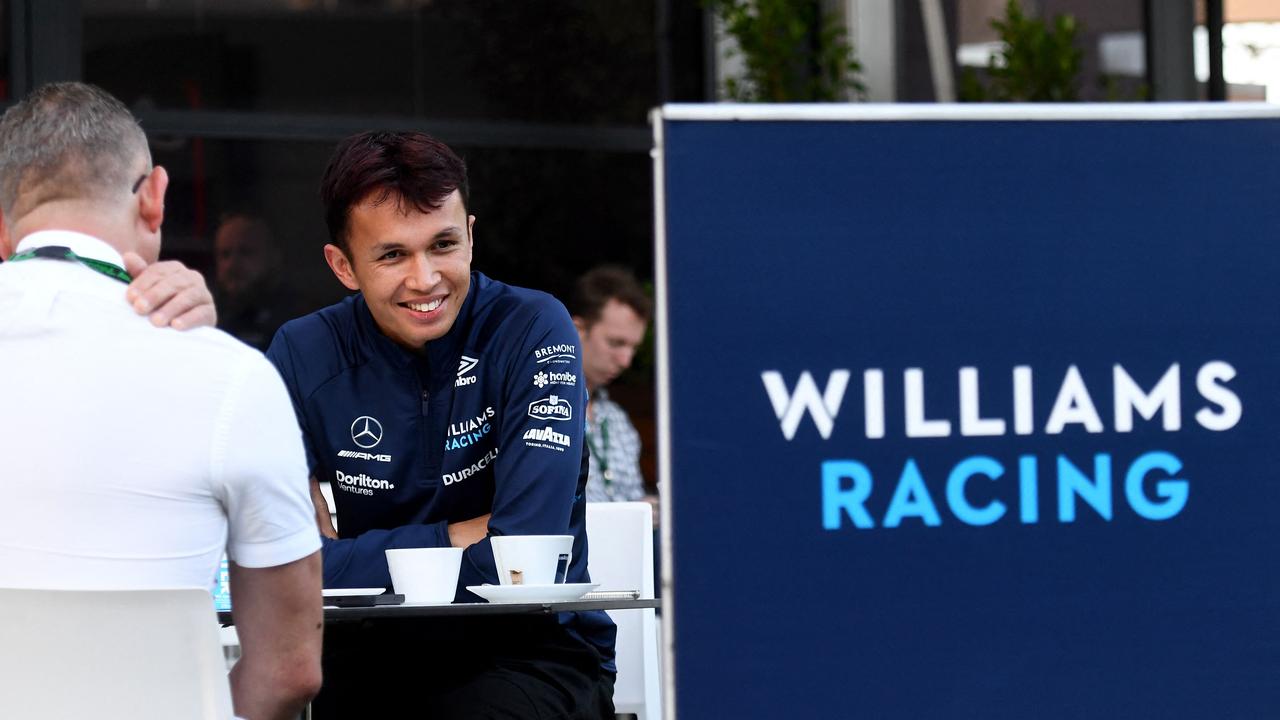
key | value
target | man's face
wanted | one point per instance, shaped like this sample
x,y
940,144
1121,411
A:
x,y
244,255
609,344
414,268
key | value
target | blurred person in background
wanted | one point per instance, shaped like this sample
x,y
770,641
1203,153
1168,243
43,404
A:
x,y
139,455
611,312
253,297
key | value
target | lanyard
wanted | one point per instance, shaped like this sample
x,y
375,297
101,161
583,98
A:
x,y
602,453
58,252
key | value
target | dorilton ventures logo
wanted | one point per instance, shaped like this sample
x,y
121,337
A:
x,y
553,407
361,484
1149,485
366,431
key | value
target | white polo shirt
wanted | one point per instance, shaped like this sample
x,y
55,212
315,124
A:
x,y
132,456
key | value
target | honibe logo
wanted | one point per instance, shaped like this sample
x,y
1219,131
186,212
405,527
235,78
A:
x,y
790,406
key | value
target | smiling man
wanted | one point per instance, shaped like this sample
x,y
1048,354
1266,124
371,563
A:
x,y
418,400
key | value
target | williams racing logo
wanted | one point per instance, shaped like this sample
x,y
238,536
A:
x,y
552,407
555,354
465,433
547,438
465,366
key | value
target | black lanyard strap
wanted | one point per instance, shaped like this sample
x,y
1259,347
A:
x,y
58,252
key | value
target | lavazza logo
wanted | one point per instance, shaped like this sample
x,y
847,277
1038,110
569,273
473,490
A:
x,y
546,438
465,366
553,407
1151,483
544,378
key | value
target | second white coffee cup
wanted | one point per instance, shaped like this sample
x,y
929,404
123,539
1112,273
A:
x,y
425,575
532,559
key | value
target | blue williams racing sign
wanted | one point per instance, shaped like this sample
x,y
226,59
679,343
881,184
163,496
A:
x,y
969,412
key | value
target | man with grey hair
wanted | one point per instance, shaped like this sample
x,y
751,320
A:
x,y
145,453
167,291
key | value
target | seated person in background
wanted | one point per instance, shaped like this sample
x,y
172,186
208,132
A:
x,y
253,298
611,312
419,401
135,455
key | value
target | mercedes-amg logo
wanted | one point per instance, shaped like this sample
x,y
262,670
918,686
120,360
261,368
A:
x,y
366,431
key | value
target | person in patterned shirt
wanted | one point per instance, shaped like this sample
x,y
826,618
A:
x,y
611,312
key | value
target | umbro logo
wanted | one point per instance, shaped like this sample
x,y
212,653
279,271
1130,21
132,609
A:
x,y
465,366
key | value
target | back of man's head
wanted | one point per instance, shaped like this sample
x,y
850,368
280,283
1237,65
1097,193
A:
x,y
68,141
599,285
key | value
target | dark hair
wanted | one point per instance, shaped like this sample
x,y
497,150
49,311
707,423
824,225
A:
x,y
413,167
599,285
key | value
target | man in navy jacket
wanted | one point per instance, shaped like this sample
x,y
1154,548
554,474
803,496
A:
x,y
445,408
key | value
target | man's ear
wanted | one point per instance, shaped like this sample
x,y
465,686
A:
x,y
340,264
581,324
6,241
151,198
471,229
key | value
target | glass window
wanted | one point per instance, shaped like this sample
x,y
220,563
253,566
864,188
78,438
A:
x,y
569,61
4,51
1110,35
543,217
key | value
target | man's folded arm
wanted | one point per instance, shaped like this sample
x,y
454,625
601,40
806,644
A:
x,y
362,562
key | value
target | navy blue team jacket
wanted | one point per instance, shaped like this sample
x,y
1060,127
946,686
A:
x,y
489,420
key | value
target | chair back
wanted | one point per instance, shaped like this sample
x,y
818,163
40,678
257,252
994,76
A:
x,y
620,557
107,654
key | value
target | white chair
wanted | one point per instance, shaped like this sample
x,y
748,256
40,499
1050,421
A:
x,y
108,654
620,557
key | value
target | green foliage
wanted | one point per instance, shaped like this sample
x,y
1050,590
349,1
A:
x,y
791,50
1040,62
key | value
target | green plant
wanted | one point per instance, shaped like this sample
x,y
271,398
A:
x,y
791,51
1039,61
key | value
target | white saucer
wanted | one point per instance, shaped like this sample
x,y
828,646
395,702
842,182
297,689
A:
x,y
532,593
346,592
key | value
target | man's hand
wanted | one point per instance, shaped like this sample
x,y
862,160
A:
x,y
468,532
170,293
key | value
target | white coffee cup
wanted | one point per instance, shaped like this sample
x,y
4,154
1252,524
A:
x,y
532,559
425,575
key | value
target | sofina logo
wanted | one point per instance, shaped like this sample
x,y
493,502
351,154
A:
x,y
552,407
1150,482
